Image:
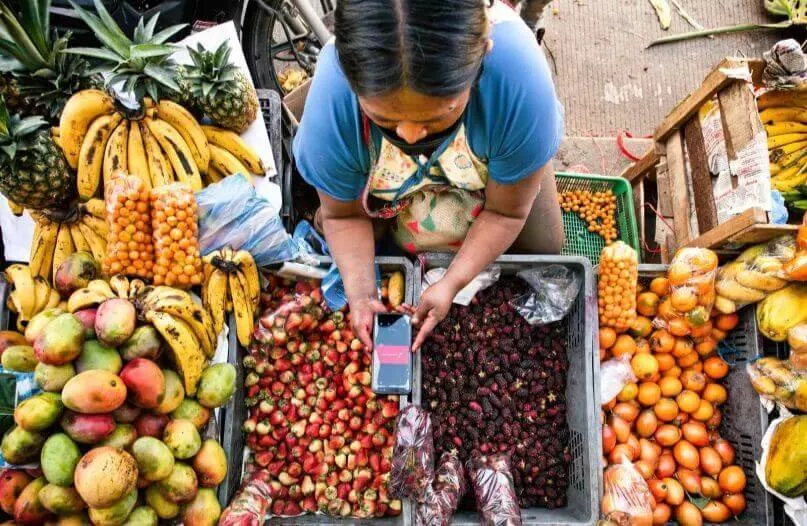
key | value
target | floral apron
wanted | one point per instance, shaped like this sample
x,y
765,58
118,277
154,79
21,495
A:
x,y
433,200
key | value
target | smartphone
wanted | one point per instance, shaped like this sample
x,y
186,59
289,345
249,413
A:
x,y
392,354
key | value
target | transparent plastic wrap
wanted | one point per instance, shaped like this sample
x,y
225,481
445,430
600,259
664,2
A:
x,y
251,503
618,274
413,456
130,250
797,339
692,291
756,272
554,289
173,221
779,381
625,492
232,213
443,496
494,490
614,375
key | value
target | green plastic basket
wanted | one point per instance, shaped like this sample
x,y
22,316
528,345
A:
x,y
581,242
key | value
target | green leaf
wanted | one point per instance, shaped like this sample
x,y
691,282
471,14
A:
x,y
30,21
10,49
18,34
105,35
153,92
161,75
698,501
168,32
206,88
109,22
139,30
150,26
95,52
150,50
44,15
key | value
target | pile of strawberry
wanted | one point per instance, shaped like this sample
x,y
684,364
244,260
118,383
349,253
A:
x,y
314,423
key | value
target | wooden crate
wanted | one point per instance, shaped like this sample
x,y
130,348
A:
x,y
666,165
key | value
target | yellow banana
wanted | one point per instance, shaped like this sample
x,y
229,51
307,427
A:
x,y
79,111
53,299
177,151
233,143
78,239
783,114
64,247
120,285
785,158
91,156
242,309
787,138
102,287
20,276
84,298
179,304
98,226
16,209
42,247
137,163
184,346
97,245
227,163
782,128
55,135
790,177
96,208
215,299
159,167
213,175
250,269
773,98
115,154
187,126
42,294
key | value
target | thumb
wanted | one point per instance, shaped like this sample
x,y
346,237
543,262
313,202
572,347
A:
x,y
421,312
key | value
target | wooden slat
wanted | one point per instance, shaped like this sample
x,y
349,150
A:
x,y
738,113
676,168
714,82
701,178
724,232
761,233
643,168
665,198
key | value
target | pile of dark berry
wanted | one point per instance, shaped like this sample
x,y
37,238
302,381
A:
x,y
495,383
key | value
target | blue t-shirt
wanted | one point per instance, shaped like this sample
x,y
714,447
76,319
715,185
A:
x,y
513,119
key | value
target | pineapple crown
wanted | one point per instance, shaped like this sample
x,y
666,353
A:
x,y
14,131
142,63
211,71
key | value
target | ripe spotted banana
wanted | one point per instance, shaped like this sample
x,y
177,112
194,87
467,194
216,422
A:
x,y
115,154
787,138
177,151
233,143
783,114
42,294
184,347
98,226
137,162
91,156
24,292
215,298
96,208
97,244
787,157
227,163
242,308
120,285
42,246
187,126
159,167
85,298
78,239
79,111
775,98
180,305
213,175
247,265
16,209
786,127
64,247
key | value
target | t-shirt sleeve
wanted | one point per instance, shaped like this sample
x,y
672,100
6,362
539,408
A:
x,y
526,124
328,148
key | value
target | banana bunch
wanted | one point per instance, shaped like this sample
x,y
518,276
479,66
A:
x,y
162,145
785,123
30,294
95,293
231,284
82,229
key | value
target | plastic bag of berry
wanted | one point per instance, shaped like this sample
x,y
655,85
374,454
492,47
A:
x,y
495,493
413,455
443,496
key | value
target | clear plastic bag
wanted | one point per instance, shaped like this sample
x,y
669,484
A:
x,y
173,221
796,268
615,374
757,271
413,456
692,291
797,339
618,274
779,381
250,504
554,289
494,490
443,496
626,492
129,244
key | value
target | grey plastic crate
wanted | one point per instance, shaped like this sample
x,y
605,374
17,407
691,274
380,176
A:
x,y
582,393
235,413
744,419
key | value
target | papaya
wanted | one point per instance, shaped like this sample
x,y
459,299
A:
x,y
786,467
781,310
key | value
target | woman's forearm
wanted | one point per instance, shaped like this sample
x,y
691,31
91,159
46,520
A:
x,y
350,240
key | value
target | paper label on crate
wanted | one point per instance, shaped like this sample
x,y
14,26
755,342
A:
x,y
752,181
713,138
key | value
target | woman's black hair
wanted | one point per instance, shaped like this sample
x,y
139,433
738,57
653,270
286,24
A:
x,y
434,47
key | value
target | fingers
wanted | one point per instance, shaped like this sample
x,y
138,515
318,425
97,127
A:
x,y
422,312
425,330
405,309
363,333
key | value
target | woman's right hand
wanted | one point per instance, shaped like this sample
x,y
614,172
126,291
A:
x,y
362,313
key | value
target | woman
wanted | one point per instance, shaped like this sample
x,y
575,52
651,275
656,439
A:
x,y
441,117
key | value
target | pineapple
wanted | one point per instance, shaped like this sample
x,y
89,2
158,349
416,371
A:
x,y
33,170
42,77
220,89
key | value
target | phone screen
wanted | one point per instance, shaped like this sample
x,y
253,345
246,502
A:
x,y
392,354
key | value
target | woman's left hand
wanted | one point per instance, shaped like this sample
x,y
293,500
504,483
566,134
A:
x,y
434,305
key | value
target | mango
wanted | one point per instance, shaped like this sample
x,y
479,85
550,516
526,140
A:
x,y
9,338
182,438
94,391
52,378
116,514
174,393
96,355
203,510
210,464
87,429
20,446
78,519
115,321
105,475
19,358
151,425
59,458
28,510
217,385
60,341
180,486
12,482
154,459
192,410
87,319
122,437
38,412
38,323
61,500
145,342
142,516
164,508
145,383
75,272
126,414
